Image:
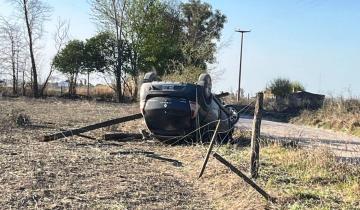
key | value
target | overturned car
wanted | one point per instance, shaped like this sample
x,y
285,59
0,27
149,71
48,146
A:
x,y
174,110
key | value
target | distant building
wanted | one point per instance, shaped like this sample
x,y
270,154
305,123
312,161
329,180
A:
x,y
303,99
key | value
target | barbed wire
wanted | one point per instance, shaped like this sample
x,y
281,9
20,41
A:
x,y
180,138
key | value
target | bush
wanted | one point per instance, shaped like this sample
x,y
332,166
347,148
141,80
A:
x,y
186,74
297,86
280,87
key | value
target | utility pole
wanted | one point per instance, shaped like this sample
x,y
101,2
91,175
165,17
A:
x,y
241,49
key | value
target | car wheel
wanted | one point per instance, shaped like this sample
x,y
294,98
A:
x,y
234,114
149,77
205,91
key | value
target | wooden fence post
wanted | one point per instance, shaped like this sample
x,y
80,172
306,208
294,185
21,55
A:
x,y
212,142
244,177
254,164
78,131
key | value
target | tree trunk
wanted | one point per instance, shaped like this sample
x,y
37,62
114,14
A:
x,y
119,50
118,86
46,80
88,85
136,88
13,67
75,82
71,85
33,65
23,82
119,63
13,76
135,75
17,72
14,81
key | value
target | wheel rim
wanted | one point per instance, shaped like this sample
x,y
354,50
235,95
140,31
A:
x,y
234,115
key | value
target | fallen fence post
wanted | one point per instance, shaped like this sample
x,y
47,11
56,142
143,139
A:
x,y
254,160
244,177
77,131
209,149
85,136
122,136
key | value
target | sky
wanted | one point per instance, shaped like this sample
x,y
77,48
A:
x,y
316,42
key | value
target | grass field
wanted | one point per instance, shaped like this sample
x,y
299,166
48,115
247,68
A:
x,y
79,173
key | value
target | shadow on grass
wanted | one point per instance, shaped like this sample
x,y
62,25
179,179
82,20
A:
x,y
150,155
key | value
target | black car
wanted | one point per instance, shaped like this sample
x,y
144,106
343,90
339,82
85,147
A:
x,y
175,110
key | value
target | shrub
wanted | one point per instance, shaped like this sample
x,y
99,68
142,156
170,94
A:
x,y
186,74
280,87
297,86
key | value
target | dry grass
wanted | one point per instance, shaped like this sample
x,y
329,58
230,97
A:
x,y
78,173
303,179
338,114
103,91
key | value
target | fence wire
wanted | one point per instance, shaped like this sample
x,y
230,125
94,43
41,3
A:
x,y
225,134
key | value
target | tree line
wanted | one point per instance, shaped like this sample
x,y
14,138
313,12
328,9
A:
x,y
135,36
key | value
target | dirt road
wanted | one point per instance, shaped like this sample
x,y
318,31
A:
x,y
345,146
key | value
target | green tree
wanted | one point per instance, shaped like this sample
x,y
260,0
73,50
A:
x,y
154,31
160,36
149,34
202,28
70,61
100,53
109,14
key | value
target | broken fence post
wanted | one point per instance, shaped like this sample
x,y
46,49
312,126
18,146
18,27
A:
x,y
122,136
210,149
254,160
244,177
77,131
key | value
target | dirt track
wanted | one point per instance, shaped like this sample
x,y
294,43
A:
x,y
345,146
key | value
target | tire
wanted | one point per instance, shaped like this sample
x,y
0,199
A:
x,y
204,93
235,115
149,77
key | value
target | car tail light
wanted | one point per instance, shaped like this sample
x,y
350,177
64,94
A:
x,y
194,107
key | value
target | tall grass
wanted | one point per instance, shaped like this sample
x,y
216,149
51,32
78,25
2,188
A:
x,y
337,114
302,178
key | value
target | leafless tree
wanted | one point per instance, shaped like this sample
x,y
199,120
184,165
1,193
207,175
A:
x,y
61,36
33,13
109,15
11,40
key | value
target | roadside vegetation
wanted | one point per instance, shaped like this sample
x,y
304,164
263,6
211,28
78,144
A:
x,y
281,87
337,113
302,179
